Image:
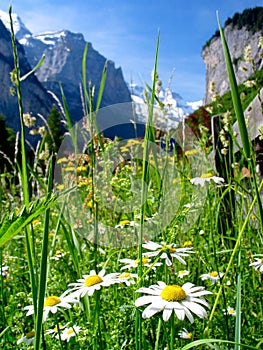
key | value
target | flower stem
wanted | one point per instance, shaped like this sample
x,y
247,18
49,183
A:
x,y
172,331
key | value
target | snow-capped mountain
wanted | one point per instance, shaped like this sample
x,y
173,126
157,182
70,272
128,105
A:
x,y
63,51
172,111
62,66
20,29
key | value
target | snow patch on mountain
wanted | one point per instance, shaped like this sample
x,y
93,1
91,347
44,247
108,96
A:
x,y
50,38
20,29
172,111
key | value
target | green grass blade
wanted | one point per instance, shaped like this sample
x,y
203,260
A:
x,y
43,265
147,138
211,341
16,81
102,85
235,94
84,77
38,65
238,305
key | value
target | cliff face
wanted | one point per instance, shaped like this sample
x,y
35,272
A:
x,y
63,65
35,97
237,40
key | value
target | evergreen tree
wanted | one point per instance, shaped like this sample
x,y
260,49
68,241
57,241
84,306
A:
x,y
55,132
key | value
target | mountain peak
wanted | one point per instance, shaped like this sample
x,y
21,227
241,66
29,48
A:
x,y
20,29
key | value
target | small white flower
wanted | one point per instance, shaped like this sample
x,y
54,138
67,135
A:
x,y
4,270
185,334
126,223
183,273
89,283
257,264
131,263
55,331
127,278
53,304
167,251
230,311
58,255
212,276
183,301
70,332
206,178
28,339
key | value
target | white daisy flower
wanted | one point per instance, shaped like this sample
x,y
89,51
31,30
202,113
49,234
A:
x,y
89,283
183,273
183,300
257,264
185,334
131,263
55,331
127,278
70,332
28,339
212,276
58,255
125,223
53,304
206,178
230,311
167,251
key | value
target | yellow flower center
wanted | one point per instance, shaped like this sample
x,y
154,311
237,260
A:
x,y
206,176
231,311
124,222
30,335
261,261
70,331
144,261
171,250
168,248
124,275
51,301
189,335
183,272
92,280
213,274
173,293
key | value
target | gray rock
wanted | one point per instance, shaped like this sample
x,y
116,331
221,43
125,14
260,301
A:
x,y
237,40
35,97
63,65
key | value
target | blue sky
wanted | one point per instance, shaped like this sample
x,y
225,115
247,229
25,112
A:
x,y
126,32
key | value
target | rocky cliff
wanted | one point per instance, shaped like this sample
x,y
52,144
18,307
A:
x,y
35,97
63,52
239,39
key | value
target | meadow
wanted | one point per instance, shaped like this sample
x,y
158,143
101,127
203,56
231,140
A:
x,y
131,244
